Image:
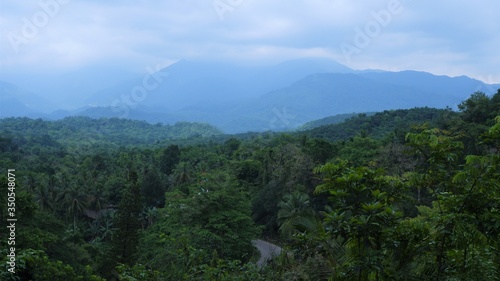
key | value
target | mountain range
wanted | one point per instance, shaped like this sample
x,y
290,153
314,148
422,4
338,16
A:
x,y
239,98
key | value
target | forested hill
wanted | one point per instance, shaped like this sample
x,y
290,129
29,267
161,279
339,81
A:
x,y
88,209
335,119
98,131
380,124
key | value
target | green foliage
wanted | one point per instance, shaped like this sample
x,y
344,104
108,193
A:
x,y
286,168
36,265
362,209
138,272
479,108
359,150
329,120
379,124
222,213
320,150
169,158
230,146
84,132
128,224
293,208
248,171
465,202
214,217
153,188
407,202
223,270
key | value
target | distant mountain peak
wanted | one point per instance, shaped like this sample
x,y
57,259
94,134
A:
x,y
240,98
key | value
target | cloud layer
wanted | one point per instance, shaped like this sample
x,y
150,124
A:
x,y
444,37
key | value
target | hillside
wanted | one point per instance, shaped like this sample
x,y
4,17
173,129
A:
x,y
167,199
379,124
339,118
114,131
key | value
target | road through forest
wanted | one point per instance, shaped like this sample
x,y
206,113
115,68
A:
x,y
267,251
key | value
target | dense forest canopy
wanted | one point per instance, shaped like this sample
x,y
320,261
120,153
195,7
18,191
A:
x,y
397,195
380,124
115,131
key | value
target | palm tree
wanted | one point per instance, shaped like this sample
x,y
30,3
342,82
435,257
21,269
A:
x,y
31,182
202,167
76,202
93,230
149,215
182,174
293,207
45,197
296,217
106,228
97,200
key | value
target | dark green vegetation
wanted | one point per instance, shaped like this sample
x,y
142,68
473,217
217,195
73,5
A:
x,y
379,125
75,132
400,195
339,118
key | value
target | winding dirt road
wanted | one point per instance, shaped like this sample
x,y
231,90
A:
x,y
267,251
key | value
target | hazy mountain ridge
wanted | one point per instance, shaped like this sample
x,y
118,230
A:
x,y
15,101
440,84
326,94
249,98
188,83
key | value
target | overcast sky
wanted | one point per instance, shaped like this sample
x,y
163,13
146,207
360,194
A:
x,y
443,37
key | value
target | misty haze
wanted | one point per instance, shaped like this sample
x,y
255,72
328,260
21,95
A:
x,y
250,140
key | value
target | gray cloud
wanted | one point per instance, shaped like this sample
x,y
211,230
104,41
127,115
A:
x,y
445,37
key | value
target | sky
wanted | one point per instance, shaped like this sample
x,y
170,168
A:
x,y
443,37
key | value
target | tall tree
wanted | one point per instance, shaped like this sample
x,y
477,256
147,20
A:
x,y
478,108
182,174
169,158
152,188
76,202
293,208
128,223
362,209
